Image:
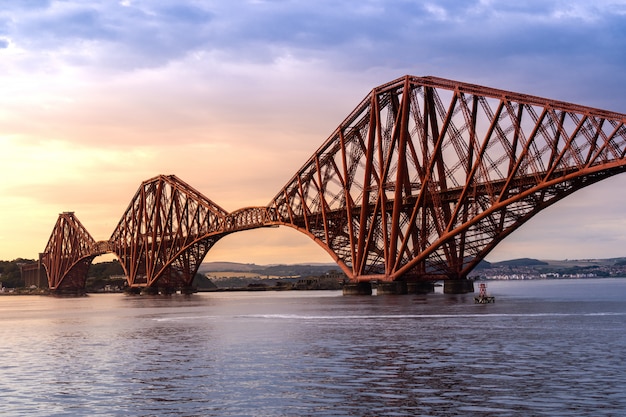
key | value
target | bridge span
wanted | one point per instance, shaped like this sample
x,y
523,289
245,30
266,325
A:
x,y
419,183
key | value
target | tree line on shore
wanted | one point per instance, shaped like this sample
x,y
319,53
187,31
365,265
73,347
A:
x,y
110,276
99,275
11,274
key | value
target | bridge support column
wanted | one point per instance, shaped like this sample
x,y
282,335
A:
x,y
132,291
357,288
188,290
149,291
420,287
458,286
391,288
68,292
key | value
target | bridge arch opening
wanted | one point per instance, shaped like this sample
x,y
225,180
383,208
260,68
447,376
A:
x,y
105,274
587,224
268,246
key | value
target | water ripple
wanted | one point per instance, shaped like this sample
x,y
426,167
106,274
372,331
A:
x,y
314,356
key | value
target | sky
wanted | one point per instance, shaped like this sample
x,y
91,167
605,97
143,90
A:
x,y
234,96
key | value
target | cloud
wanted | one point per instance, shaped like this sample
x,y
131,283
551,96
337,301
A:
x,y
348,35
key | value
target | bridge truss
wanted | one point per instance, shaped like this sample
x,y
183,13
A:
x,y
69,253
427,175
420,182
166,232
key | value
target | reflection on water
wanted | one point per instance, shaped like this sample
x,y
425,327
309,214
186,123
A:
x,y
544,348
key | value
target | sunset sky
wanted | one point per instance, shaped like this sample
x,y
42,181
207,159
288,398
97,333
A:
x,y
234,96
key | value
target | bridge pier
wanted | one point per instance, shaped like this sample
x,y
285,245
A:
x,y
405,287
458,286
149,291
392,288
420,287
188,290
357,288
69,292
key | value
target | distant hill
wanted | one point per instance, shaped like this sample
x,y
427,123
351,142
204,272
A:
x,y
561,264
295,270
521,262
226,266
527,268
317,269
568,263
483,265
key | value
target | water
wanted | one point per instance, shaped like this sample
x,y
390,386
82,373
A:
x,y
545,348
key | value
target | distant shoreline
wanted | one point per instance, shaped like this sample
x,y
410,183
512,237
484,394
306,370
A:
x,y
46,292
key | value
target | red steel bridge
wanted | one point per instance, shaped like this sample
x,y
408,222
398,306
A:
x,y
419,183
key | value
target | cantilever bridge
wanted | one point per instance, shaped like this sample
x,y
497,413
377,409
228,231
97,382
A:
x,y
419,183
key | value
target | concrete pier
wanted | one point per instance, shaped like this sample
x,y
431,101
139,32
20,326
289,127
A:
x,y
358,288
132,291
391,288
188,290
458,286
420,287
149,291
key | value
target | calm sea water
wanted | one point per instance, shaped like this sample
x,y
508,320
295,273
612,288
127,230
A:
x,y
545,348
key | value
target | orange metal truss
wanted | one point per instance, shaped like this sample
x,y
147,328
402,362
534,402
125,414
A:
x,y
166,231
427,175
420,182
69,253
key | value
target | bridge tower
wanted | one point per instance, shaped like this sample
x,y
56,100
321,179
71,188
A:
x,y
165,233
68,255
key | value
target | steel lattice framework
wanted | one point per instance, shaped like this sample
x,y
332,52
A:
x,y
420,182
166,231
427,175
69,253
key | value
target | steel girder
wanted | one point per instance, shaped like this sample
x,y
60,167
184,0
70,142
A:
x,y
166,231
427,175
69,253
